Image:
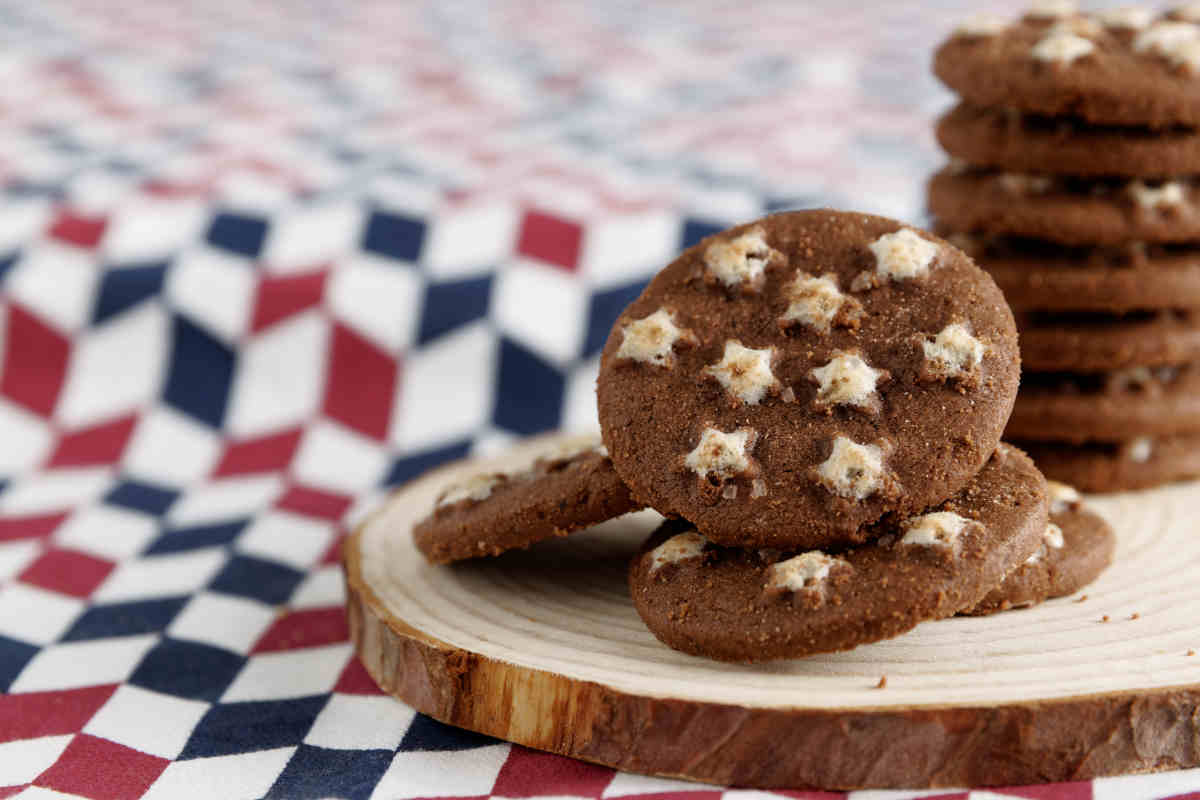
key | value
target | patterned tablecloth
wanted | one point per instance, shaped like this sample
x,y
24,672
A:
x,y
261,261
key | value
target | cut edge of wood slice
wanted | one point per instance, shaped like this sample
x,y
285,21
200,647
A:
x,y
880,745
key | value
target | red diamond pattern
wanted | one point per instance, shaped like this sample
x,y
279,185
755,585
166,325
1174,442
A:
x,y
281,297
35,361
67,571
90,765
35,714
314,502
551,239
361,383
262,454
310,628
102,444
78,230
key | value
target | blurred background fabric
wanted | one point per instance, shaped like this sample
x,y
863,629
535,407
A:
x,y
261,261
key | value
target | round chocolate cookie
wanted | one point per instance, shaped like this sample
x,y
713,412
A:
x,y
1064,210
786,382
1098,68
1122,466
572,486
1107,407
988,137
1086,342
1037,276
733,604
1077,546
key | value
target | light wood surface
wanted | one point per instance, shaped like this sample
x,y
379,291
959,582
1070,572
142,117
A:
x,y
544,648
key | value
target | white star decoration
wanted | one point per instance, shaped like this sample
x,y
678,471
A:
x,y
652,340
853,470
847,380
739,261
722,454
745,372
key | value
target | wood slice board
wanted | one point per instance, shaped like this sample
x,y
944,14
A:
x,y
543,648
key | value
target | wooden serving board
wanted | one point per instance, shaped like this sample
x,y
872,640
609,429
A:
x,y
544,648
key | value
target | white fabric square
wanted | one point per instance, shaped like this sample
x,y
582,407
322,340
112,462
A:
x,y
543,308
244,776
95,192
16,556
23,760
252,192
109,660
107,531
311,235
21,220
579,404
161,576
442,774
292,673
56,490
280,376
1145,787
463,242
170,447
627,783
333,456
214,289
36,615
152,722
292,539
360,722
42,793
231,623
116,367
144,229
378,300
618,250
27,438
446,389
321,588
56,282
228,498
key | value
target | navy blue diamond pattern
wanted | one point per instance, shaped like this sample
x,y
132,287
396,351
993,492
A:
x,y
317,772
188,669
196,537
529,392
426,733
267,581
238,233
260,725
125,619
141,496
14,655
412,465
201,373
396,236
123,288
453,304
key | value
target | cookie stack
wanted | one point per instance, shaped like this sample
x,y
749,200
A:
x,y
1074,152
815,401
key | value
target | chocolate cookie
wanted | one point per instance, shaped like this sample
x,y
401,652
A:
x,y
572,486
1007,140
1036,276
1065,210
1096,68
733,604
1107,407
1122,466
1077,546
787,382
1102,342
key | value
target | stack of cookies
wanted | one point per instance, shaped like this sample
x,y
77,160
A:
x,y
815,402
1074,152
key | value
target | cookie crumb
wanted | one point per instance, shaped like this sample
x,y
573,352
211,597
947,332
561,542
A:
x,y
1191,652
882,682
1135,615
1081,598
1104,618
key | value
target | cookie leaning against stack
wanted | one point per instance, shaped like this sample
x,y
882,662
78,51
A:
x,y
1073,181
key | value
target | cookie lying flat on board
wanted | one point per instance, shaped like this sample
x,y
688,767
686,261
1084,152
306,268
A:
x,y
1014,142
1038,276
1077,546
1101,342
570,487
787,382
1119,466
735,604
1104,68
1109,406
1072,212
